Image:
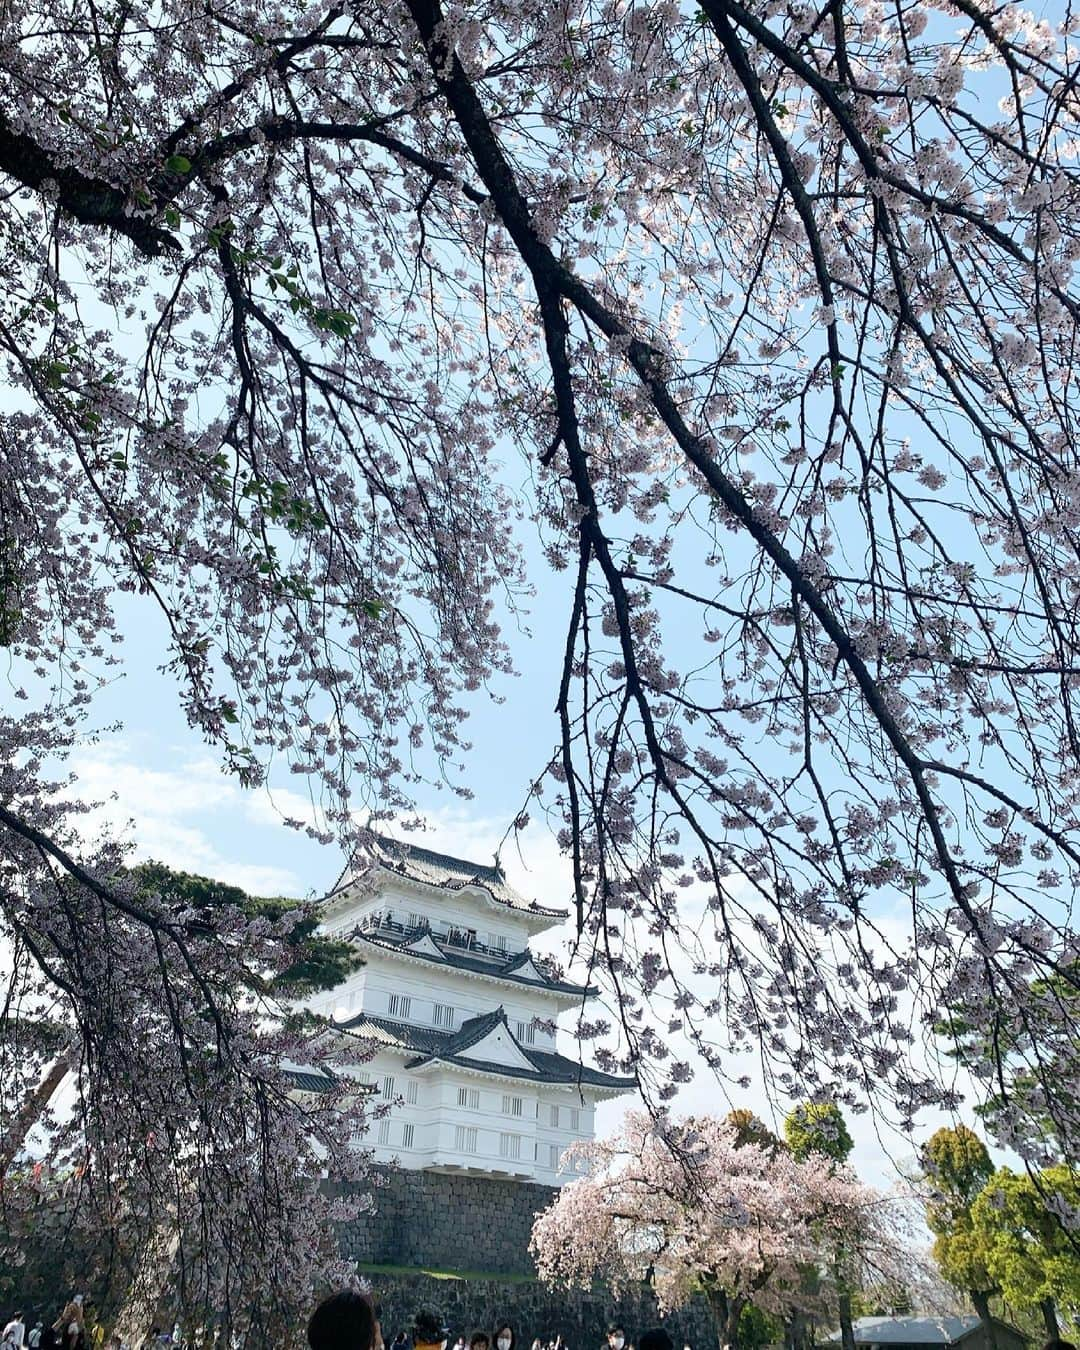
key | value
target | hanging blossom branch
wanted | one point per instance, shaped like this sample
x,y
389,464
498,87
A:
x,y
180,1131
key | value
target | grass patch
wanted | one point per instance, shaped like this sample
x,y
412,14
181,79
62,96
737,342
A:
x,y
368,1268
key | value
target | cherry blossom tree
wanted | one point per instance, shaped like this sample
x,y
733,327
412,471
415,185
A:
x,y
709,1212
177,1148
778,303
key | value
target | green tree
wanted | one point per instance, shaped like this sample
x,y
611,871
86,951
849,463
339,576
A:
x,y
758,1329
319,962
1034,1049
820,1128
1033,1258
751,1129
957,1166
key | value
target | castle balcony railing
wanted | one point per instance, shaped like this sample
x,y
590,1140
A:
x,y
458,938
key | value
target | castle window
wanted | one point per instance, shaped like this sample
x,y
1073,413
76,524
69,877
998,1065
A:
x,y
554,1119
509,1145
384,1131
575,1118
444,1015
408,1134
469,1098
511,1106
388,1086
526,1032
553,1157
412,1091
465,1138
400,1005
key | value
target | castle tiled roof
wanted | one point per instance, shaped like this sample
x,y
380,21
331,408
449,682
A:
x,y
506,970
450,1047
442,869
311,1080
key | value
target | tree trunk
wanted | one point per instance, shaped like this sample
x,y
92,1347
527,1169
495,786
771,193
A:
x,y
31,1111
726,1313
1050,1322
847,1326
980,1299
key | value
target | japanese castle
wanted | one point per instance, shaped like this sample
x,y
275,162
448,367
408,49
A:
x,y
461,1017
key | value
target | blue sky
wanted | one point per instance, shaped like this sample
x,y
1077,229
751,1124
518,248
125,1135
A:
x,y
161,786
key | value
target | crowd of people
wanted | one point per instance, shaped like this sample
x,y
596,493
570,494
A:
x,y
352,1320
67,1332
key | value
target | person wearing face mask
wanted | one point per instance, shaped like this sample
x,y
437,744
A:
x,y
504,1337
616,1337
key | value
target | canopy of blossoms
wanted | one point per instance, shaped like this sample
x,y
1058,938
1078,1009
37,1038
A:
x,y
706,1213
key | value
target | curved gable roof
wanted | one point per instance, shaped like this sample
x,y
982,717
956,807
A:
x,y
428,1046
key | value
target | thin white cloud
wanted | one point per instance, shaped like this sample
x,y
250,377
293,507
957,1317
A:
x,y
191,817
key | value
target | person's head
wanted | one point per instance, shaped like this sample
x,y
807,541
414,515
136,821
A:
x,y
504,1336
616,1337
480,1340
656,1339
345,1321
429,1329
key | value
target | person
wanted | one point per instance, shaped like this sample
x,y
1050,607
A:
x,y
345,1321
537,1344
479,1340
400,1342
13,1335
656,1339
33,1336
504,1336
616,1337
459,1344
429,1331
70,1325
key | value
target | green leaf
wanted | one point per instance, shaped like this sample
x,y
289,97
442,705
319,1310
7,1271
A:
x,y
178,164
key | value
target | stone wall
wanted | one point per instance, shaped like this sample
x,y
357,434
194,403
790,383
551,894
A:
x,y
439,1222
429,1221
580,1317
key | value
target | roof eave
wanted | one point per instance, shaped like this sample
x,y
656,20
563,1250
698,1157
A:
x,y
571,993
536,915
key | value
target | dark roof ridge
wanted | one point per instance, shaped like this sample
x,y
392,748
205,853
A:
x,y
494,873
